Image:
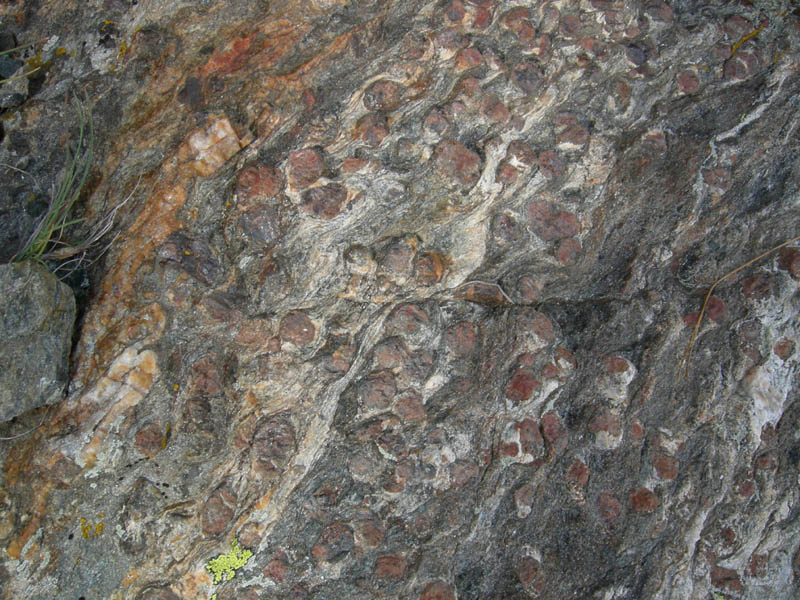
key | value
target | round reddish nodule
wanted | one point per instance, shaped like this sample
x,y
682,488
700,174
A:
x,y
377,391
383,95
530,573
468,58
336,541
261,224
372,128
688,82
455,11
606,421
305,167
257,181
218,512
554,432
715,309
326,201
370,533
409,407
438,590
461,338
643,500
616,364
276,569
429,267
575,134
789,259
458,161
551,224
527,76
509,449
393,566
407,319
297,328
521,385
530,437
758,565
746,488
784,348
568,251
482,17
666,467
150,439
726,579
578,474
609,506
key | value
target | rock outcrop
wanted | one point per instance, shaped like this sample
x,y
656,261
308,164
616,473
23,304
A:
x,y
400,299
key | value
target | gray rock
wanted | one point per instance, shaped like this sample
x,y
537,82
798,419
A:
x,y
8,66
38,314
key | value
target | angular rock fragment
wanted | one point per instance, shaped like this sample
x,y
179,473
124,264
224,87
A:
x,y
38,314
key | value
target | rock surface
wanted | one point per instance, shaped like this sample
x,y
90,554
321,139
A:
x,y
37,317
401,296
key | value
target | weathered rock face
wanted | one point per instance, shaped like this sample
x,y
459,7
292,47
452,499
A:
x,y
400,300
37,317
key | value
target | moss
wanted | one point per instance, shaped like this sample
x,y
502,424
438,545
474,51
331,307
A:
x,y
224,566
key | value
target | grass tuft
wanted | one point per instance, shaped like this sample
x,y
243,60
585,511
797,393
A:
x,y
45,243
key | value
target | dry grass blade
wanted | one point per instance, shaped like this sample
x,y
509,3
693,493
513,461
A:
x,y
10,50
102,227
683,366
21,75
75,255
490,284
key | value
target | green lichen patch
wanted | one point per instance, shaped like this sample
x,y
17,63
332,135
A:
x,y
224,566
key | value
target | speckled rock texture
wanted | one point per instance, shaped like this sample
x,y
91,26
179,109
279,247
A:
x,y
37,315
400,298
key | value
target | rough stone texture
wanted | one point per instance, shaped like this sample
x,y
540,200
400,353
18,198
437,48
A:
x,y
37,317
404,288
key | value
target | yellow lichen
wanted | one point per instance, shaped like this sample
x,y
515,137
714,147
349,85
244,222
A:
x,y
224,566
165,437
90,530
86,529
745,37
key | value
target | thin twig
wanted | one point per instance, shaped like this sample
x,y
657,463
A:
x,y
24,433
10,50
13,168
684,364
20,76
